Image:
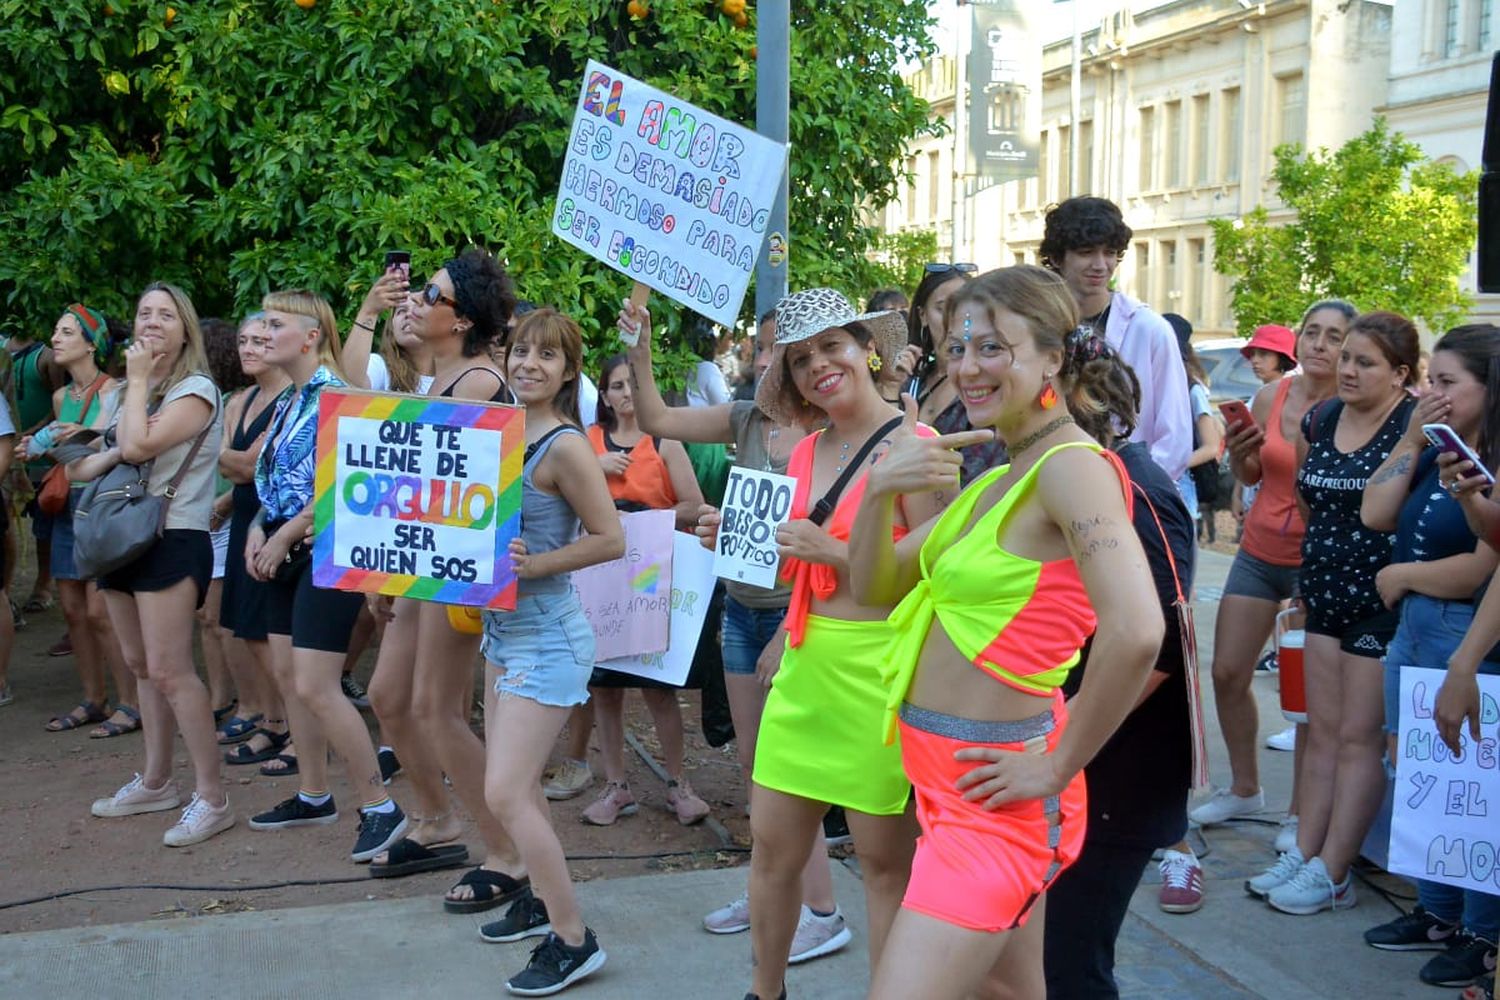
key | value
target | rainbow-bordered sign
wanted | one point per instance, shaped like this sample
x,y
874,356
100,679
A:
x,y
418,497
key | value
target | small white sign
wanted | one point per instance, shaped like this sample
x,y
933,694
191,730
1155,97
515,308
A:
x,y
1445,822
755,505
692,590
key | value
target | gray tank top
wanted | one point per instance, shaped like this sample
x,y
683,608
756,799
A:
x,y
548,522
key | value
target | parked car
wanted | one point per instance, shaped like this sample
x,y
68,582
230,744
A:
x,y
1229,374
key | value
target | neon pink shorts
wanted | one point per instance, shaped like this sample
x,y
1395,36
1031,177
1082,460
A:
x,y
977,869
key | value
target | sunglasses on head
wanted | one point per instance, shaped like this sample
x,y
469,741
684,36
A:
x,y
432,295
946,268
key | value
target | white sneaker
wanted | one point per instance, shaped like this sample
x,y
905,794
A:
x,y
1311,890
1286,837
1224,805
818,936
1285,741
730,918
1286,866
199,822
569,780
135,798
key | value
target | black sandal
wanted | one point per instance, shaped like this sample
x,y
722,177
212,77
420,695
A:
x,y
407,857
288,768
242,754
491,889
67,722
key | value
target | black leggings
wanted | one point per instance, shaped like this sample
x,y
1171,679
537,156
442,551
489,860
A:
x,y
1086,907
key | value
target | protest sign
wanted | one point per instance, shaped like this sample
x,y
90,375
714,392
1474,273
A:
x,y
755,504
667,193
1442,829
418,497
692,588
628,600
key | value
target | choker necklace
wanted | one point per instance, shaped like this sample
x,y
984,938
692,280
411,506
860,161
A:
x,y
1033,438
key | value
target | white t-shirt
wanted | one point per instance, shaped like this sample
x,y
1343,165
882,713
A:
x,y
707,386
424,382
195,494
588,400
378,374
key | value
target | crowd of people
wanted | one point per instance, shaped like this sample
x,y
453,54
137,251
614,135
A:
x,y
979,657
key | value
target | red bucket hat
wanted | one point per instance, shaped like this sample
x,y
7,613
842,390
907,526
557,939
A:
x,y
1272,338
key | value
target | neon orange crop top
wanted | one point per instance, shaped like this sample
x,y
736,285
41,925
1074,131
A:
x,y
1021,620
809,579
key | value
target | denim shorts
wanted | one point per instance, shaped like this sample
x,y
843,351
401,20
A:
x,y
60,532
1430,630
542,651
745,632
1250,576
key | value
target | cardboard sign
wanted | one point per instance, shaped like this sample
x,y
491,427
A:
x,y
692,588
628,600
418,497
1445,822
674,197
755,504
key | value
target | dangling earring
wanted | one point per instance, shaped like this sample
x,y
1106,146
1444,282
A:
x,y
1048,397
306,348
875,364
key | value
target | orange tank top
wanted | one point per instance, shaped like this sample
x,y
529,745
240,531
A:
x,y
646,481
1273,527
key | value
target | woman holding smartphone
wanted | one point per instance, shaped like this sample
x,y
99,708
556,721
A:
x,y
1435,577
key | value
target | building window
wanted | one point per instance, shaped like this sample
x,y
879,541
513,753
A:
x,y
1172,154
932,185
1085,157
1292,105
1169,285
1143,271
1193,302
1020,258
911,189
1041,169
1230,144
1451,22
1201,122
1064,162
1148,141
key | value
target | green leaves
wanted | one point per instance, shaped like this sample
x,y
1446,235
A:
x,y
1375,223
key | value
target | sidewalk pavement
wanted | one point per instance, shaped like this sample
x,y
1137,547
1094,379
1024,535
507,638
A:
x,y
1235,947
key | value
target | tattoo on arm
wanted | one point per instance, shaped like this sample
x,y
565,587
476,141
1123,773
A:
x,y
1401,468
1092,535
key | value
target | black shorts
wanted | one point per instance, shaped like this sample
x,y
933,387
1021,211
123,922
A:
x,y
315,618
1367,636
180,554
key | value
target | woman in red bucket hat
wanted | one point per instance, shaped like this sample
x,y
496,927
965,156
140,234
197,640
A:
x,y
1271,351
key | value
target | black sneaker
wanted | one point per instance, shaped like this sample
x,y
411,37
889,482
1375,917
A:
x,y
1268,664
390,766
377,831
836,827
527,917
554,966
1468,957
756,996
354,691
295,811
1414,931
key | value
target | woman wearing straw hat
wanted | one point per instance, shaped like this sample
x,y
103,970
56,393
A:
x,y
819,741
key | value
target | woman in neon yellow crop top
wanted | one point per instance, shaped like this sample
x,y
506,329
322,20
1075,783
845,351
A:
x,y
819,741
998,594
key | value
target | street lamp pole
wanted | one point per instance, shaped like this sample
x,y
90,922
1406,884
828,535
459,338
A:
x,y
772,109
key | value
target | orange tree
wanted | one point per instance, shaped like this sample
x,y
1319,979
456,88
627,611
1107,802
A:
x,y
234,146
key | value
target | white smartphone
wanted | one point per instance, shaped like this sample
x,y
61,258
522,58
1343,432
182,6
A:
x,y
1445,438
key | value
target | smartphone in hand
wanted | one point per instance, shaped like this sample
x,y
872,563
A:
x,y
1235,412
401,261
1445,438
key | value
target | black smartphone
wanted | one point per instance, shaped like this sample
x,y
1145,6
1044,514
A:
x,y
401,261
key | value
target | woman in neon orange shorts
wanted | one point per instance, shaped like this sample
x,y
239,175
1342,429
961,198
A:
x,y
998,595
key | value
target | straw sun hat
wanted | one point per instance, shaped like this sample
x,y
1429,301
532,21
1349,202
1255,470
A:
x,y
803,315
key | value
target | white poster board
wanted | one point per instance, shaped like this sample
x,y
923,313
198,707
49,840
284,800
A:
x,y
628,600
1445,824
755,504
674,197
692,588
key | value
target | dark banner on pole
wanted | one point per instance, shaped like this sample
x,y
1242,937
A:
x,y
1005,91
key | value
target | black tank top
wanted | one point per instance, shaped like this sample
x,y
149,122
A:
x,y
245,501
502,395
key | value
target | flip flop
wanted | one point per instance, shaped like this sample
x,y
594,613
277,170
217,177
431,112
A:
x,y
108,729
238,729
287,771
68,721
220,714
407,857
242,754
491,889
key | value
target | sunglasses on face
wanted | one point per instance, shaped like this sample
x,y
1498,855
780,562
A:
x,y
948,268
432,295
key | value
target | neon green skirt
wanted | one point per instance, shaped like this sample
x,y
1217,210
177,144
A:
x,y
821,732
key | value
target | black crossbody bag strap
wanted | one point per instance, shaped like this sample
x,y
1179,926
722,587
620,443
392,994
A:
x,y
826,506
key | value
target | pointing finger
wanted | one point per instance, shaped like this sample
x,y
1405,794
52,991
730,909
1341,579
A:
x,y
964,439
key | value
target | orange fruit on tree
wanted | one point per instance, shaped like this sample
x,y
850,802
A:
x,y
732,7
638,9
307,4
171,15
740,20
